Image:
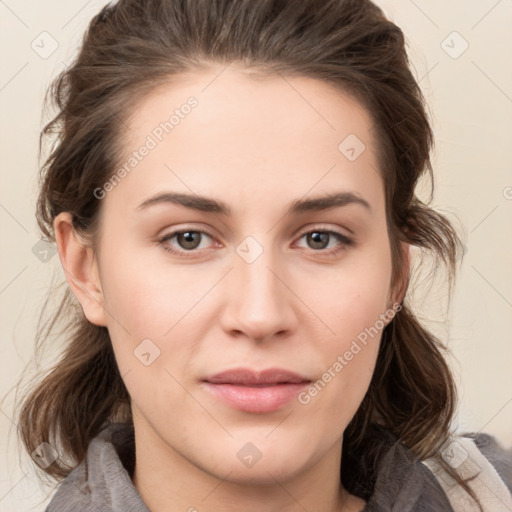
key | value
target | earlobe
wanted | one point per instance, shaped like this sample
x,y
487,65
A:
x,y
80,267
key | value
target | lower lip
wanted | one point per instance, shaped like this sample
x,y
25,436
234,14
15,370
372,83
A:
x,y
256,399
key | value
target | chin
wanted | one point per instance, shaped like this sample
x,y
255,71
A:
x,y
250,465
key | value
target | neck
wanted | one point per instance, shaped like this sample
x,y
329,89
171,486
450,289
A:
x,y
168,481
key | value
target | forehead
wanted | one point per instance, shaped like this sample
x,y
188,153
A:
x,y
233,97
250,133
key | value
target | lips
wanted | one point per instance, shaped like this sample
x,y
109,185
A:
x,y
255,391
245,377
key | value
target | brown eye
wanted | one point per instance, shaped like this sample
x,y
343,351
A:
x,y
184,241
188,239
318,239
326,242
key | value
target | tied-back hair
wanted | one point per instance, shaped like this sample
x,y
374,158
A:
x,y
133,46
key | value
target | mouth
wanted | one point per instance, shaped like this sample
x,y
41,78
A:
x,y
256,392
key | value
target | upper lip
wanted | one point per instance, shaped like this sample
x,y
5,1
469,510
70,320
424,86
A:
x,y
248,377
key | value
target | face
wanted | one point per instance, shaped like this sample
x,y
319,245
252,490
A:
x,y
217,255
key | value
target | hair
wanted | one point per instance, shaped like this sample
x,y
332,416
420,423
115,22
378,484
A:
x,y
133,46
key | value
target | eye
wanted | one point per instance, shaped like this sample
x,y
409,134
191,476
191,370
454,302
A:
x,y
188,240
319,240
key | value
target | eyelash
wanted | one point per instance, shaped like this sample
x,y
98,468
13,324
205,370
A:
x,y
343,239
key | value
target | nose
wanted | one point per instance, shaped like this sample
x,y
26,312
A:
x,y
258,303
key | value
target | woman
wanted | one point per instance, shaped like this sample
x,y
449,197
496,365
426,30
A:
x,y
232,198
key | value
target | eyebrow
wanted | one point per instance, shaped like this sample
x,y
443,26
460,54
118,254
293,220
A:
x,y
209,205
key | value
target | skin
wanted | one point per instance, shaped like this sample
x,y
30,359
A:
x,y
257,145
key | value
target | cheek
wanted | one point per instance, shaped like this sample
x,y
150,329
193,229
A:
x,y
148,297
349,359
151,311
356,319
143,307
354,297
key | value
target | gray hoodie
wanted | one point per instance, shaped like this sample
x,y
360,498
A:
x,y
102,482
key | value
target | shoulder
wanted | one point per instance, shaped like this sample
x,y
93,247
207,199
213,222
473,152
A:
x,y
424,485
403,482
500,458
479,460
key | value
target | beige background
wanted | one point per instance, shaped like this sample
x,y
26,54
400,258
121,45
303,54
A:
x,y
470,98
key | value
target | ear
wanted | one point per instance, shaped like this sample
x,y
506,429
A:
x,y
80,266
399,290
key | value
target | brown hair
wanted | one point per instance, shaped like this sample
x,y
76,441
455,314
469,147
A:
x,y
135,45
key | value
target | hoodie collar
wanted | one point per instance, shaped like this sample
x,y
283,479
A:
x,y
101,481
